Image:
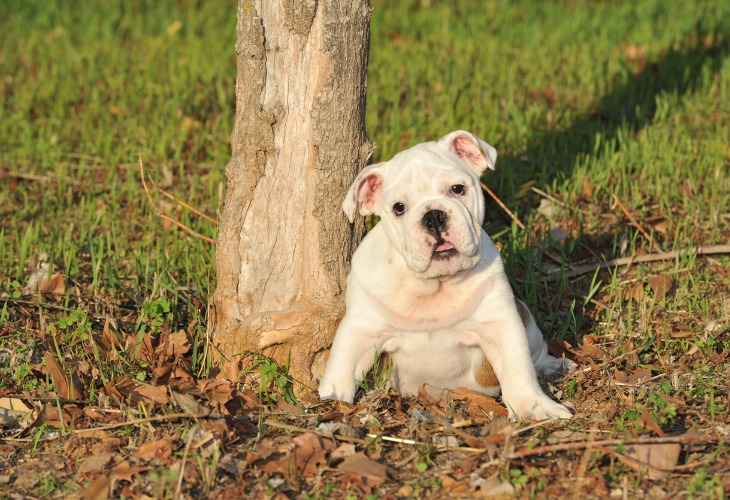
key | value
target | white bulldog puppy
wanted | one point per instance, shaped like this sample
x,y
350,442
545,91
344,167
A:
x,y
428,286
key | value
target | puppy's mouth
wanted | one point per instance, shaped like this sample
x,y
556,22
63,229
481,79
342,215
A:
x,y
443,250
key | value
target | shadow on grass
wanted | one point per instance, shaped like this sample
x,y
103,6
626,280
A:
x,y
630,106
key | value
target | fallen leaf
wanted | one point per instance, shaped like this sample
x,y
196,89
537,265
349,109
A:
x,y
161,449
303,461
67,387
44,280
125,387
189,404
342,451
660,285
451,485
140,348
13,411
95,463
650,423
639,376
111,337
97,490
492,487
338,428
371,473
478,404
654,460
635,292
125,472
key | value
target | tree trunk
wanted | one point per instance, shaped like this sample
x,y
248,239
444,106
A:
x,y
284,246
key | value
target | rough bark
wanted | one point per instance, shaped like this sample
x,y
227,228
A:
x,y
299,139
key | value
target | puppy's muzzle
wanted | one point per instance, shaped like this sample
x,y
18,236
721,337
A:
x,y
434,221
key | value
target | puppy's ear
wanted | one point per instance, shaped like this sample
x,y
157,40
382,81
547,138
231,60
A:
x,y
364,194
471,149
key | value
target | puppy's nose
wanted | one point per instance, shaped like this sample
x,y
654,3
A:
x,y
434,221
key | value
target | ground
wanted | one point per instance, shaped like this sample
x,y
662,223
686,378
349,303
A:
x,y
612,123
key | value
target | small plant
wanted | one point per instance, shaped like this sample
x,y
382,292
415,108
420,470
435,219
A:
x,y
518,478
379,376
75,326
156,312
274,381
705,485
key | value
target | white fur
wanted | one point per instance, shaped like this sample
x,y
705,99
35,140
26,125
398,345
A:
x,y
437,319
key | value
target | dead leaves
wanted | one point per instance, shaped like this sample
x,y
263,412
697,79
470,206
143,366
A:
x,y
478,404
45,280
659,285
303,461
65,382
366,472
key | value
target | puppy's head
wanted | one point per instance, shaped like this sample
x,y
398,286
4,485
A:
x,y
430,202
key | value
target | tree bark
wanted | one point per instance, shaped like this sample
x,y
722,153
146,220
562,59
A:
x,y
284,245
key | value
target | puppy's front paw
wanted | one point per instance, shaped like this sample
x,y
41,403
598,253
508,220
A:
x,y
329,392
538,408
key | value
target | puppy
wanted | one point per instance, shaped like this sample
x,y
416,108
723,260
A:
x,y
428,286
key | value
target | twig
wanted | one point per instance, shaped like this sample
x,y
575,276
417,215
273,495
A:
x,y
182,203
373,437
165,217
178,488
158,418
45,305
47,178
504,207
654,257
636,224
676,468
295,428
610,443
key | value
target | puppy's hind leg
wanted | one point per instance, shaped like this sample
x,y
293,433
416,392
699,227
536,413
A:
x,y
545,363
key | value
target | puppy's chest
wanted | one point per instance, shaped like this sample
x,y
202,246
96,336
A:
x,y
429,309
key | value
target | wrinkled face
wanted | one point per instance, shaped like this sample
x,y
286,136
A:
x,y
430,202
432,210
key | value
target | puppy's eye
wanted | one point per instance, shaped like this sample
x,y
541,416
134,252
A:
x,y
399,208
458,189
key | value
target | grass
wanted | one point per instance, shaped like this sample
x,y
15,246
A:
x,y
590,104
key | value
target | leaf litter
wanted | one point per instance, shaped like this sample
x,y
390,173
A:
x,y
130,415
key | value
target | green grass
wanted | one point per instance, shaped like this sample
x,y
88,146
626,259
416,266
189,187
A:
x,y
588,102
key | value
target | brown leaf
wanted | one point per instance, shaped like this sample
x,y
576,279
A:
x,y
67,387
125,387
371,473
98,490
161,449
217,390
189,404
140,348
650,423
309,453
125,472
343,451
655,460
42,280
111,337
55,284
478,404
660,285
634,292
591,350
640,375
95,463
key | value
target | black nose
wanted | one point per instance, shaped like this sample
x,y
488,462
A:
x,y
434,221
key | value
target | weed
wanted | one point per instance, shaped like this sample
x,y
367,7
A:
x,y
379,375
273,380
